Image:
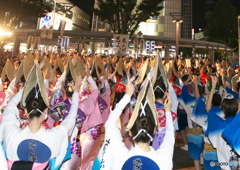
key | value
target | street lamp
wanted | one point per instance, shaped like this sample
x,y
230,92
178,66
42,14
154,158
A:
x,y
177,18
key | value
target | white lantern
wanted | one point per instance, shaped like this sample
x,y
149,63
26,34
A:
x,y
188,63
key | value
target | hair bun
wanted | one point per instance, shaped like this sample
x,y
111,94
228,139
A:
x,y
143,122
36,103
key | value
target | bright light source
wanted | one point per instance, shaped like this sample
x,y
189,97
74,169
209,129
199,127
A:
x,y
8,33
2,33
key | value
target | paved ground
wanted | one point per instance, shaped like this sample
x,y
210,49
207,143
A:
x,y
181,161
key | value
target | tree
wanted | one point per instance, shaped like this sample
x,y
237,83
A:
x,y
222,24
124,16
12,12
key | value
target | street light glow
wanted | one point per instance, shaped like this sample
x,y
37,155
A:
x,y
177,21
4,33
8,33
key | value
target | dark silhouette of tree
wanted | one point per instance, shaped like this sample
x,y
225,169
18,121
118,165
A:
x,y
222,24
12,12
124,16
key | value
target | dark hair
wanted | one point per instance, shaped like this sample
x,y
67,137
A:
x,y
201,90
216,100
146,123
67,89
238,86
158,93
229,107
68,92
184,77
34,104
58,71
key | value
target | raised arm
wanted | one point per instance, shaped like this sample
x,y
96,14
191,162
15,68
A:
x,y
195,81
113,118
60,81
209,101
90,79
168,142
11,114
70,120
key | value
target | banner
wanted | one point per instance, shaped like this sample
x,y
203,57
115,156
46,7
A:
x,y
36,42
43,32
66,41
60,43
93,49
29,41
135,42
141,45
50,33
121,44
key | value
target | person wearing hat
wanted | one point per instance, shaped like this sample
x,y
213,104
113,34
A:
x,y
142,125
160,92
161,87
91,128
198,116
217,123
71,77
35,147
212,107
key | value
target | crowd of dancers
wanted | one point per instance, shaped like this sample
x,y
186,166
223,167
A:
x,y
77,112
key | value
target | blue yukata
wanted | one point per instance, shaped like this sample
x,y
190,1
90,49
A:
x,y
199,114
196,142
232,134
236,96
187,101
210,156
216,125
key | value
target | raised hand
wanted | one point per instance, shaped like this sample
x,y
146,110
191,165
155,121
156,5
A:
x,y
214,81
46,74
168,102
77,85
87,70
129,88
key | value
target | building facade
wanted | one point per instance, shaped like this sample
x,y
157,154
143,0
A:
x,y
186,31
163,26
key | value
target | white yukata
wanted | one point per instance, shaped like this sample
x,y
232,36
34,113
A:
x,y
115,155
40,147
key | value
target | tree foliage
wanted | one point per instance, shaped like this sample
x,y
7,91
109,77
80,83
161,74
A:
x,y
124,16
222,24
12,12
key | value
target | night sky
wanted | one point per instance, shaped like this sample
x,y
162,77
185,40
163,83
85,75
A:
x,y
199,9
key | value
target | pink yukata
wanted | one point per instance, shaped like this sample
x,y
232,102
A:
x,y
91,129
107,99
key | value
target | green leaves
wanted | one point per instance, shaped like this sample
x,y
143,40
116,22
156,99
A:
x,y
14,11
222,24
124,16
